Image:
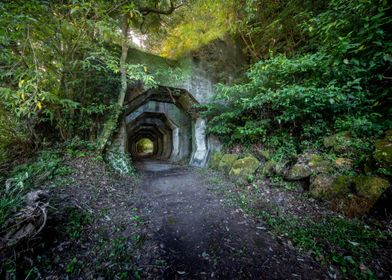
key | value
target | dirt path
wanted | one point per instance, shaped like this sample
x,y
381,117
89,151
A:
x,y
192,234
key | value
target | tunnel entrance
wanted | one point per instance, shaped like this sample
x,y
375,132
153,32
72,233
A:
x,y
144,147
162,124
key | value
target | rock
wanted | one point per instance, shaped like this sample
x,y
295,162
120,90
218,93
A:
x,y
244,167
227,162
383,151
341,187
388,135
308,164
339,142
353,196
272,167
329,186
215,159
344,163
318,164
321,185
265,154
370,187
298,171
351,206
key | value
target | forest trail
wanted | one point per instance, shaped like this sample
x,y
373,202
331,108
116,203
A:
x,y
196,236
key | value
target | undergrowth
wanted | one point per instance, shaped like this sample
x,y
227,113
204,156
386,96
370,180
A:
x,y
27,177
333,240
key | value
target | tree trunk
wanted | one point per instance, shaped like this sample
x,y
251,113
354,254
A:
x,y
123,60
112,122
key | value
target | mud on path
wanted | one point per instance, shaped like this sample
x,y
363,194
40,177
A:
x,y
193,234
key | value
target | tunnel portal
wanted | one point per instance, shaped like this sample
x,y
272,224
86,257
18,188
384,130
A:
x,y
165,121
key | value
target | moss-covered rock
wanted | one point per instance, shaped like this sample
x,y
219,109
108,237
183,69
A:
x,y
353,196
298,171
227,162
383,153
352,206
272,167
307,165
318,164
344,163
388,135
340,142
370,187
265,154
333,140
341,187
321,185
215,159
328,186
242,168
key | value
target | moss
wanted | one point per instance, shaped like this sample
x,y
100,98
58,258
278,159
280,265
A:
x,y
344,163
383,153
299,171
273,168
341,187
265,154
388,135
333,140
370,187
321,185
227,162
244,167
318,164
215,159
352,206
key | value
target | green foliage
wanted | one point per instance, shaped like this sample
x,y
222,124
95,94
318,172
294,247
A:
x,y
120,162
343,242
76,222
195,26
27,177
335,84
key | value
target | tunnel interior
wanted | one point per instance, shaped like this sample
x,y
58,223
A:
x,y
160,125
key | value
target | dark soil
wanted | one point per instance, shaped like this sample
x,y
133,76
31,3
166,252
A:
x,y
168,224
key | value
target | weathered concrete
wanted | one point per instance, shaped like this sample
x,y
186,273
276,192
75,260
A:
x,y
167,114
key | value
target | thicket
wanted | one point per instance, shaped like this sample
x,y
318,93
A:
x,y
336,76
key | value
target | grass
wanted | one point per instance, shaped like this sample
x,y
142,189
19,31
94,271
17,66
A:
x,y
27,177
333,240
76,223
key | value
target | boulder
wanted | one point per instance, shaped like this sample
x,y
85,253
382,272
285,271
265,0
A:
x,y
383,151
339,142
318,164
328,186
321,185
242,168
298,171
308,164
265,154
215,159
353,196
227,162
352,206
370,187
344,163
272,167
